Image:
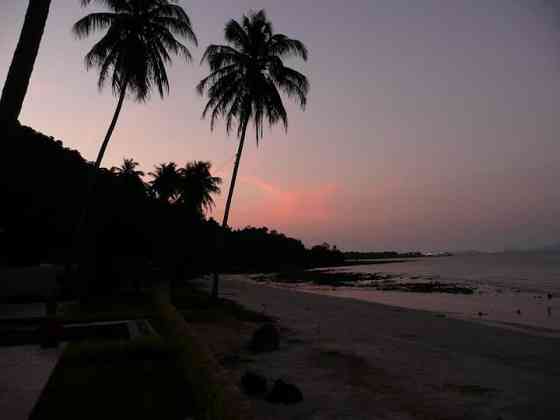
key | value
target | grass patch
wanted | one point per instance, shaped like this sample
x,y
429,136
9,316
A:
x,y
195,306
169,378
149,378
116,380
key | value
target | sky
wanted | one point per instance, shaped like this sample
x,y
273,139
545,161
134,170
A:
x,y
431,124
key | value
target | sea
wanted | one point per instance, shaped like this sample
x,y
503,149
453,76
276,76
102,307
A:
x,y
512,290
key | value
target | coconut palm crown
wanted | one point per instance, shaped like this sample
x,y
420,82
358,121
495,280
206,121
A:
x,y
166,181
248,74
198,186
141,36
128,168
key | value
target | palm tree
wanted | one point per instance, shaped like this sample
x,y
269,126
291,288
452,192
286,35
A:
x,y
128,168
134,51
245,81
131,177
196,188
166,181
21,68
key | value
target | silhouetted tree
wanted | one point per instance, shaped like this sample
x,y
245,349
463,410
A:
x,y
166,181
196,188
325,254
128,168
131,177
135,232
19,74
245,81
134,51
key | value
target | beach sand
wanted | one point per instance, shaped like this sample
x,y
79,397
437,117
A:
x,y
363,360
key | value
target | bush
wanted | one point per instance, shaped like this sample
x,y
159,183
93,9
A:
x,y
214,397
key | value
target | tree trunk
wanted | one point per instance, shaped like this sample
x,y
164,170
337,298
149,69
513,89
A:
x,y
226,211
93,175
111,127
21,68
82,223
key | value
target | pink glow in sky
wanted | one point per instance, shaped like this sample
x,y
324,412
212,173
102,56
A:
x,y
431,124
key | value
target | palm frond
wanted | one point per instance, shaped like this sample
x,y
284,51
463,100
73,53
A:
x,y
218,56
282,46
141,37
235,34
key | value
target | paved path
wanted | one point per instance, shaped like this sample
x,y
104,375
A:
x,y
24,370
24,373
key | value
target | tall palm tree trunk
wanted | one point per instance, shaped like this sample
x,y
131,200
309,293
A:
x,y
81,224
23,61
226,211
111,127
234,177
92,179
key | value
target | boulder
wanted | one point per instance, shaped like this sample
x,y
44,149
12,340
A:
x,y
253,383
284,393
265,339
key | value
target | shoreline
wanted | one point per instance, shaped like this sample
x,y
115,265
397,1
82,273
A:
x,y
398,363
390,303
536,311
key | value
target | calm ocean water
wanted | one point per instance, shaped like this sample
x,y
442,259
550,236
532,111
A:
x,y
511,289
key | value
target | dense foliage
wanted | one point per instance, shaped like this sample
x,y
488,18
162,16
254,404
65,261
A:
x,y
160,225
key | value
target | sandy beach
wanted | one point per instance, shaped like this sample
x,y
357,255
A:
x,y
362,360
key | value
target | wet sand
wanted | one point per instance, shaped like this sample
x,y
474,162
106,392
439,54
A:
x,y
532,313
364,360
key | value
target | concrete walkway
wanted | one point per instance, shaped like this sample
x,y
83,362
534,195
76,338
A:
x,y
25,371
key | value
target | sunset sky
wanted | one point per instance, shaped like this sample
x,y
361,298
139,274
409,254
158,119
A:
x,y
431,124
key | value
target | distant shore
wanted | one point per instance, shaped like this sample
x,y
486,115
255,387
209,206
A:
x,y
382,361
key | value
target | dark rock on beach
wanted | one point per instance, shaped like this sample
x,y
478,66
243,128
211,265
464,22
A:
x,y
284,393
265,339
375,281
253,383
431,287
